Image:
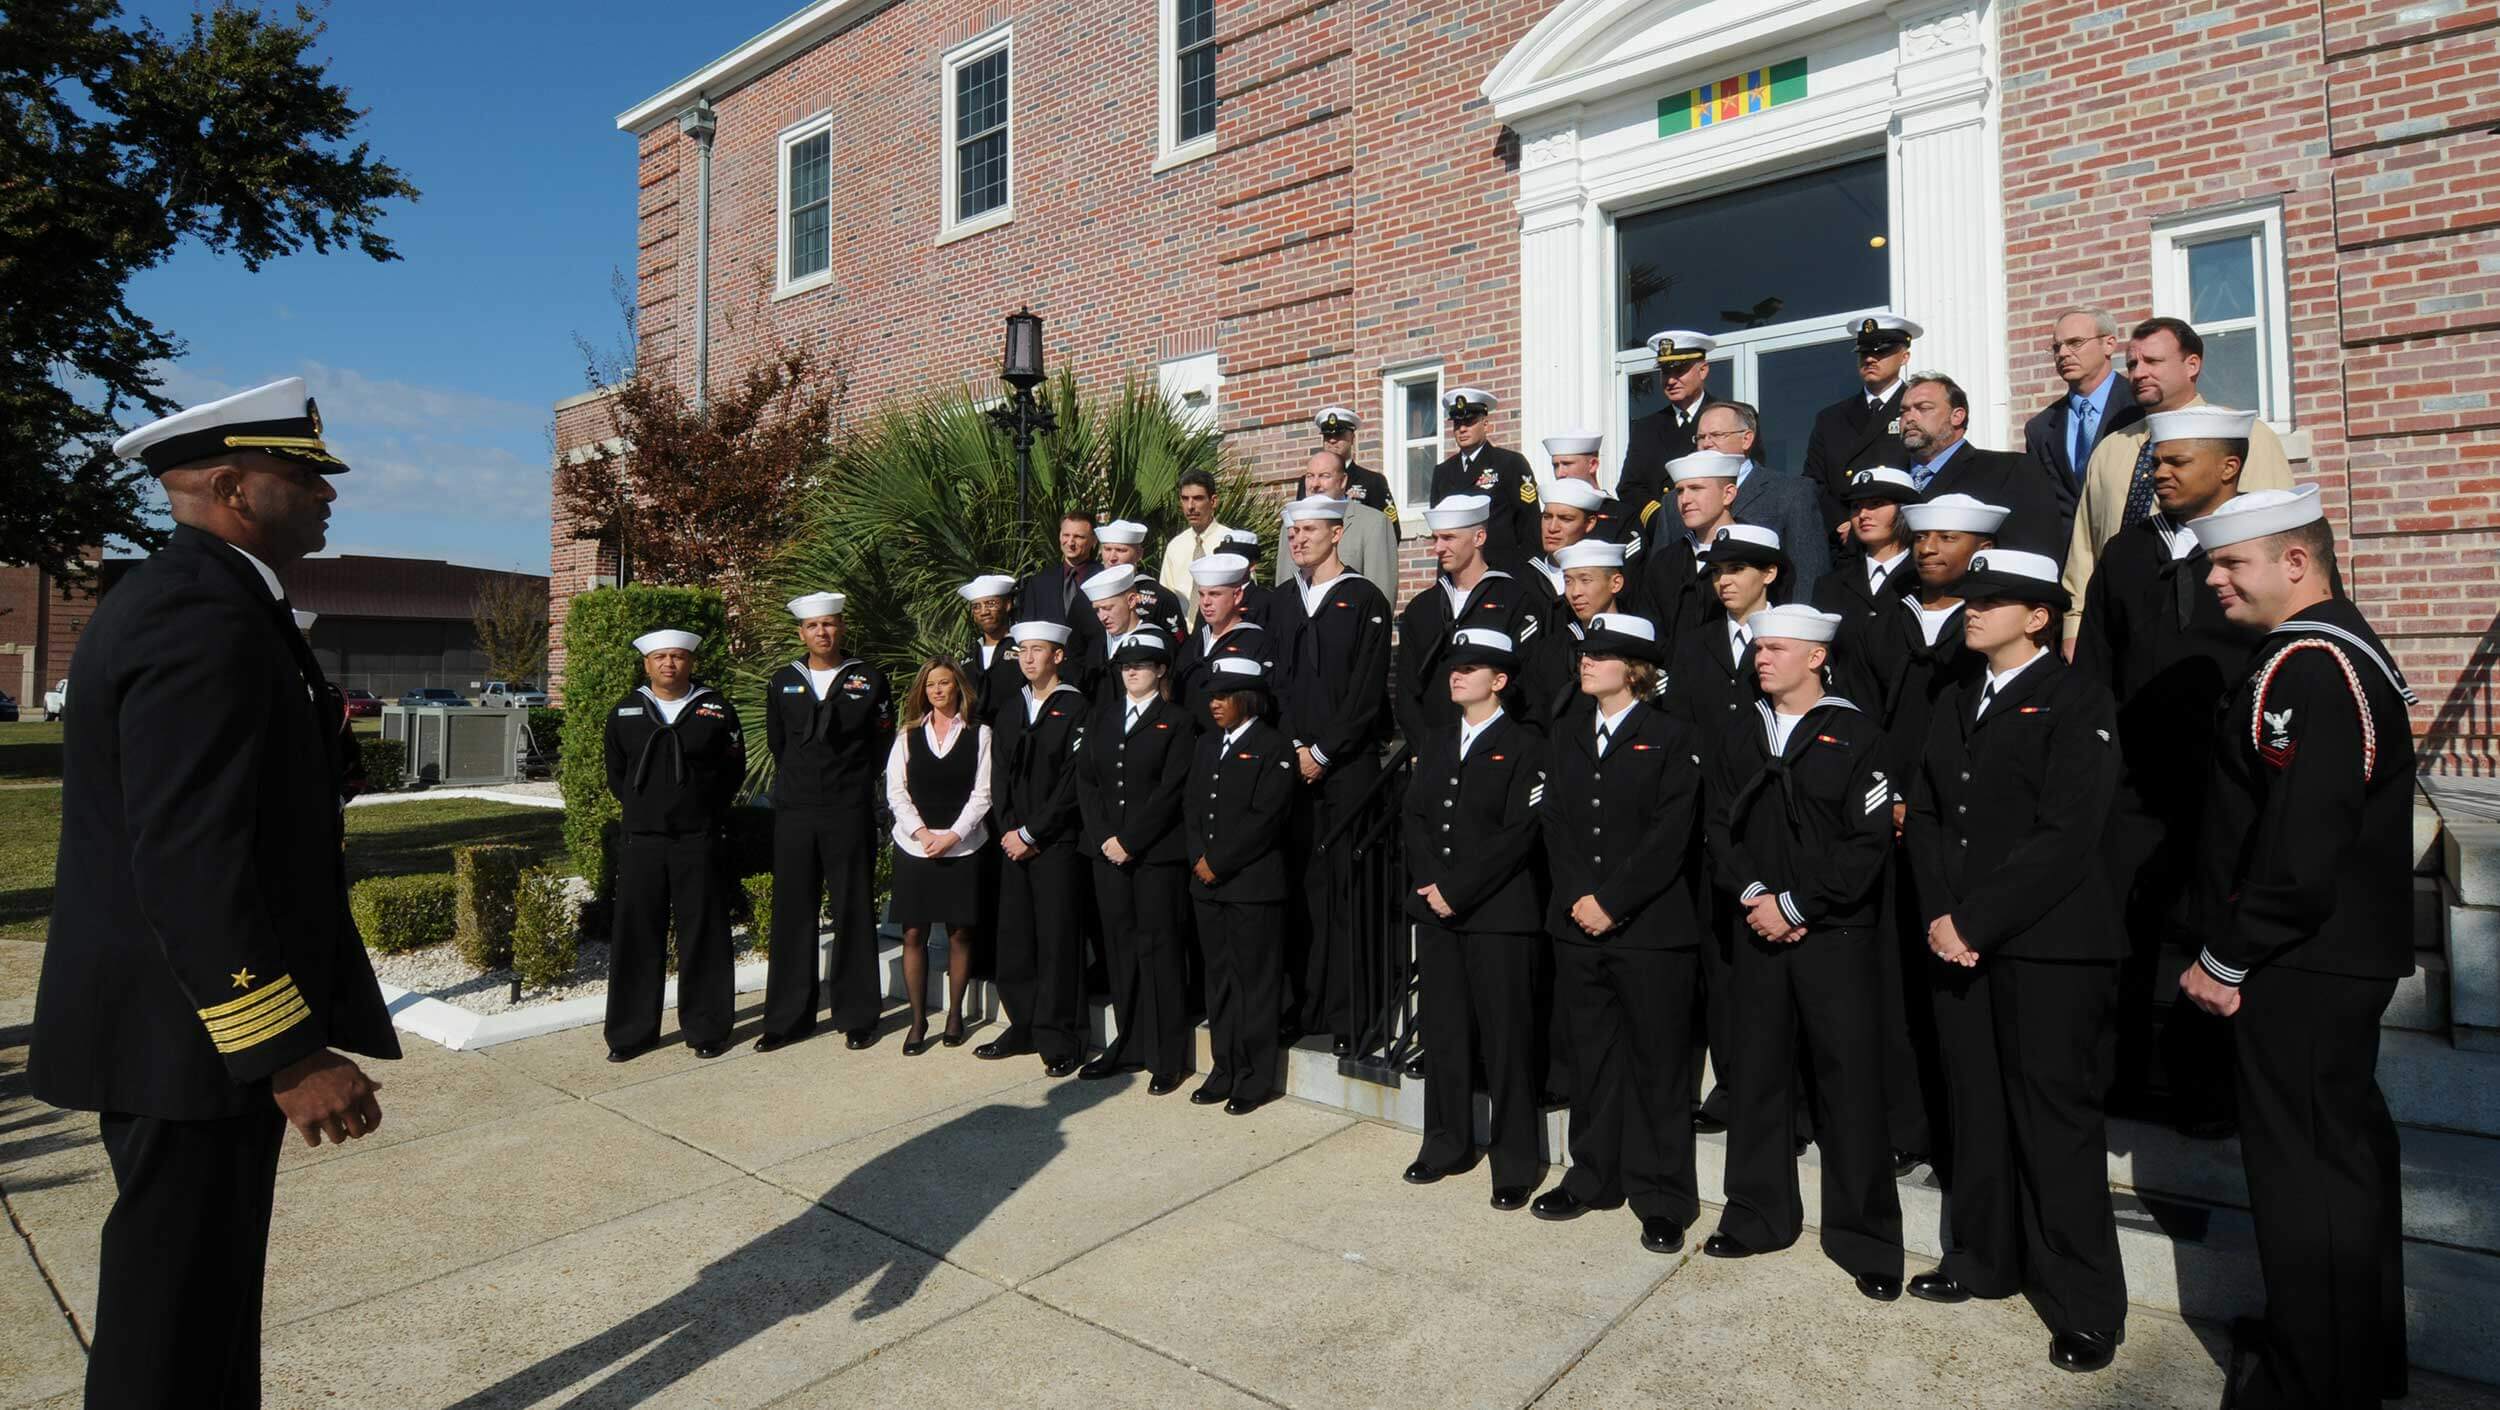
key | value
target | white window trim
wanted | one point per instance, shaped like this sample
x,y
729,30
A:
x,y
1170,153
2171,241
979,47
783,284
1393,443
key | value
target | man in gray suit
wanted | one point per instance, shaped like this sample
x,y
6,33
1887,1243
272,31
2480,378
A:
x,y
1370,545
1774,499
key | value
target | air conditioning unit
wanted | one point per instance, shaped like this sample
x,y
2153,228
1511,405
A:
x,y
455,745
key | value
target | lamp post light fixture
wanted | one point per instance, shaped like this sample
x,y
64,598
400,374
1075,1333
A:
x,y
1022,414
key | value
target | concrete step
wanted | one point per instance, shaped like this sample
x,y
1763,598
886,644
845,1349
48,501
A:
x,y
2420,1002
2430,913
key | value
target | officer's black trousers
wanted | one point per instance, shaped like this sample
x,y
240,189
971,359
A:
x,y
1820,988
178,1298
1041,952
1478,1007
1913,1079
1328,946
2027,1047
1631,1125
823,853
1141,943
659,874
1245,962
2320,1150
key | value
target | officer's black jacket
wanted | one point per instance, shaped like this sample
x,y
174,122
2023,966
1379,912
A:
x,y
1651,442
1899,675
1813,826
2006,814
1000,680
200,936
1498,602
1193,676
2309,831
678,778
1843,591
1240,796
1674,594
828,752
1849,436
1365,485
1160,606
1471,829
1033,766
1620,828
1505,476
1336,666
1129,783
1709,689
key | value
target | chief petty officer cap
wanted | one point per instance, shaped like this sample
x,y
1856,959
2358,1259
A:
x,y
1704,465
1142,647
1746,543
1335,421
1678,346
1317,506
1886,330
2011,575
1238,673
1574,443
1576,494
1955,514
1622,634
1795,622
2199,423
1127,531
1590,553
672,640
1246,542
1052,632
987,585
1220,570
816,604
1881,482
1460,511
1468,403
1482,646
2257,515
277,419
1111,582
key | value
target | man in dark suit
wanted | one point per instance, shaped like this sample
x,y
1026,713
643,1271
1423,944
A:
x,y
1772,498
1363,485
1862,430
2097,401
1057,594
1935,426
1496,472
203,978
1672,431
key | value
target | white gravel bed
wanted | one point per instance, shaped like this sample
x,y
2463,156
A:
x,y
438,972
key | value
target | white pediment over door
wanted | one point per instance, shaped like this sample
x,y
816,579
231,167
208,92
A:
x,y
1585,50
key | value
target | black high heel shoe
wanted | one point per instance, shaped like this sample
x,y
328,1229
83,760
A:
x,y
954,1035
916,1041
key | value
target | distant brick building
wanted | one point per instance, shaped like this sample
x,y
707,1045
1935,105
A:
x,y
1275,206
39,624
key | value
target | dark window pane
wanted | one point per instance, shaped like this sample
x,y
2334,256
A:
x,y
1196,117
1193,23
2222,280
810,248
2230,376
981,95
1423,411
981,175
1799,248
809,167
1795,383
809,221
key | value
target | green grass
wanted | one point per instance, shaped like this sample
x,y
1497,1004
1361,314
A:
x,y
30,832
30,749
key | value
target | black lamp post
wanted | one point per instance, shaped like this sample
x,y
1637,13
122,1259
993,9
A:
x,y
1022,414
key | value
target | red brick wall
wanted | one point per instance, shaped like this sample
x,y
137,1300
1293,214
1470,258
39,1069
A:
x,y
42,622
573,562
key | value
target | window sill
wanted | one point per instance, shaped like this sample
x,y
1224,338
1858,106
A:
x,y
1198,150
808,285
965,230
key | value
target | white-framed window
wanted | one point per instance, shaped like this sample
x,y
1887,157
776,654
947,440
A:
x,y
1195,384
1188,57
978,80
1410,438
806,205
2222,271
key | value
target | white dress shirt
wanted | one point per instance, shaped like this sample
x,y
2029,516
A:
x,y
970,826
1467,733
1880,573
1606,726
269,575
1997,683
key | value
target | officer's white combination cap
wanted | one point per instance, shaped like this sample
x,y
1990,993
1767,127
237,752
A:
x,y
1111,582
1795,623
816,604
1474,399
1051,632
1589,553
1220,570
1460,511
1338,415
649,642
277,418
1704,465
1122,531
1681,341
1955,514
2199,423
1575,494
987,585
1574,443
2257,515
1318,506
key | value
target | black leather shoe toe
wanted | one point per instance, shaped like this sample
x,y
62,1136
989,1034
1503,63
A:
x,y
859,1038
2082,1352
1558,1204
1706,1124
1061,1068
1421,1174
1240,1106
1721,1246
1903,1162
1509,1197
769,1042
1659,1234
1163,1086
996,1049
1938,1287
1883,1287
708,1051
1207,1096
624,1054
1099,1071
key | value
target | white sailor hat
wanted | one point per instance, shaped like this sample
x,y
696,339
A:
x,y
1881,482
1053,632
1335,420
1704,465
2199,423
303,619
1576,494
1574,443
1318,506
1146,645
1881,329
1220,570
1127,531
276,419
987,585
1248,541
1460,511
649,642
1467,402
816,604
1955,514
2256,515
1621,634
1795,622
2013,575
1589,553
1745,543
1237,672
1482,646
1677,346
1111,582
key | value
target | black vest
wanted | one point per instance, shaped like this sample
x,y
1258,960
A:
x,y
940,784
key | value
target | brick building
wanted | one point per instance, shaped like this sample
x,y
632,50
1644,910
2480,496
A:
x,y
1280,204
39,624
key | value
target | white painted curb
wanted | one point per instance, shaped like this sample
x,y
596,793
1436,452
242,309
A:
x,y
486,795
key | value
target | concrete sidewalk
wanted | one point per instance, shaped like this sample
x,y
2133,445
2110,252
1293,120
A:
x,y
820,1227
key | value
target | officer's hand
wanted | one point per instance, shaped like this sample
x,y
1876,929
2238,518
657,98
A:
x,y
1591,916
2209,993
1117,854
325,1094
1311,768
1017,848
1764,915
1432,897
1204,872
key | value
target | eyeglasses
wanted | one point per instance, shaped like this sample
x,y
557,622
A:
x,y
2067,345
1706,437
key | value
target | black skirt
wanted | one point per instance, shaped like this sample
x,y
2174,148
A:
x,y
948,891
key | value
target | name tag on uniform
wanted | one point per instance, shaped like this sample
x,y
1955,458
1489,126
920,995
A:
x,y
629,710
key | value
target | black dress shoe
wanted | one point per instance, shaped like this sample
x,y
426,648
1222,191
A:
x,y
626,1054
1340,1047
1100,1071
708,1051
914,1047
859,1038
1163,1086
996,1049
1421,1174
1240,1106
1706,1124
953,1037
1938,1287
1903,1162
1509,1197
1723,1246
1558,1204
1207,1096
2081,1352
1659,1234
1883,1287
1802,1143
1061,1068
772,1041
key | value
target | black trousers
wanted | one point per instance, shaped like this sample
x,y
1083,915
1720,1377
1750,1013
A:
x,y
2321,1155
1326,957
659,875
1478,1007
1914,1096
1140,907
1245,967
1817,988
823,853
179,1295
1714,1015
1041,952
1631,1124
2027,1047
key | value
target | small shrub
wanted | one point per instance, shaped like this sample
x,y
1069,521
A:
x,y
486,878
546,928
759,893
396,914
386,763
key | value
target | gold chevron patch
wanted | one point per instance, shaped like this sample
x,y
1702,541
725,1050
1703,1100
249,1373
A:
x,y
257,1017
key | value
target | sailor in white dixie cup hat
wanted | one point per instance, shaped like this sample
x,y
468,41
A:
x,y
1224,631
1122,543
1365,486
1478,467
1041,926
1471,593
1113,595
989,662
1576,458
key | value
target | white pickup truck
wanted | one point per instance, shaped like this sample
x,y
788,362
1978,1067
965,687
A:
x,y
511,695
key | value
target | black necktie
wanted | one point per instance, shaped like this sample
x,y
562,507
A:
x,y
2140,488
1986,694
1605,735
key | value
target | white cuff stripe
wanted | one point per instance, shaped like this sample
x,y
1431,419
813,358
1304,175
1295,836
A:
x,y
1750,892
1788,908
2206,961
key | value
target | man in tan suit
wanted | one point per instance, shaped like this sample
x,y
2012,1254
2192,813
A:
x,y
1369,548
2164,358
1202,537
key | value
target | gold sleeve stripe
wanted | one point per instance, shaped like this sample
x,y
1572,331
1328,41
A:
x,y
1649,509
269,1027
283,984
252,1017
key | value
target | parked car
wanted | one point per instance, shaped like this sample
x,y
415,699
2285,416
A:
x,y
512,695
363,704
56,700
8,708
434,695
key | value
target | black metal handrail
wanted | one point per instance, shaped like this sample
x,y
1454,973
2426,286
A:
x,y
1375,939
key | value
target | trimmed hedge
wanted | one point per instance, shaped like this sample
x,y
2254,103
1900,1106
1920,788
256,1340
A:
x,y
546,928
759,892
396,914
486,878
386,763
600,666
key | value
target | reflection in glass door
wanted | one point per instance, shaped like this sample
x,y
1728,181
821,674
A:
x,y
1798,381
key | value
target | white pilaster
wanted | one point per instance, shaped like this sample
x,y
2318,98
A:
x,y
1558,323
1948,216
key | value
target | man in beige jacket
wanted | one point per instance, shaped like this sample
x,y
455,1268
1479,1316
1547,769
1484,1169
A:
x,y
2164,358
1199,536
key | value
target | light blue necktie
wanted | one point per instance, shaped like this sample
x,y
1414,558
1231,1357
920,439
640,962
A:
x,y
2081,416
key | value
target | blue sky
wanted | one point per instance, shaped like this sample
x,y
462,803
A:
x,y
436,372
